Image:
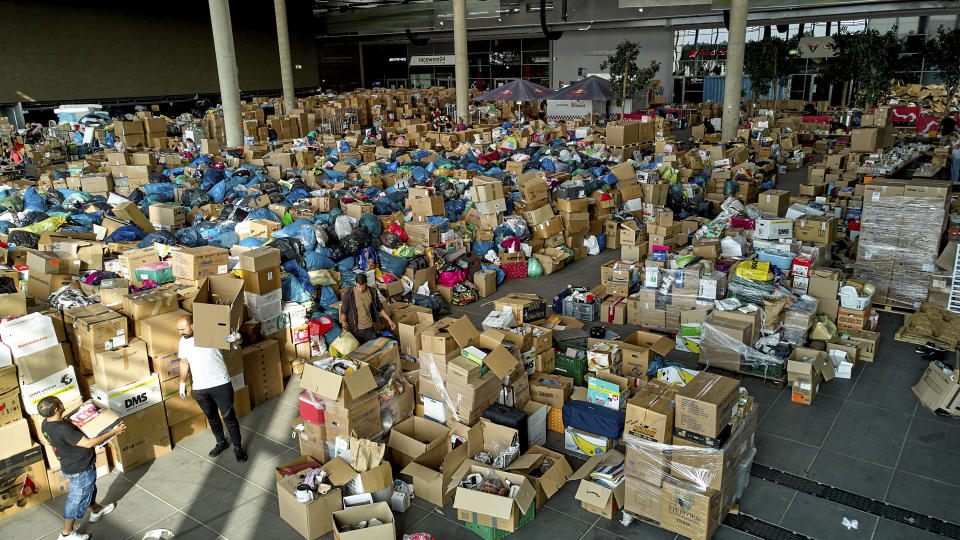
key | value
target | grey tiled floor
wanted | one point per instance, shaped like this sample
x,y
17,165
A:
x,y
867,435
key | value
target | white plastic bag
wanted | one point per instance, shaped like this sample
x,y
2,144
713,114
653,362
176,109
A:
x,y
592,245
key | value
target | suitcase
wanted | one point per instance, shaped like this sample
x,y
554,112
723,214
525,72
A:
x,y
511,417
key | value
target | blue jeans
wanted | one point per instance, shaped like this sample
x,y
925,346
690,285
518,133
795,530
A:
x,y
83,491
954,170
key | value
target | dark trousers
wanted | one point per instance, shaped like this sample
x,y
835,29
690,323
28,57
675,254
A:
x,y
365,335
219,397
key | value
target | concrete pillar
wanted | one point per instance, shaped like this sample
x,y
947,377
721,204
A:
x,y
734,79
286,64
460,53
226,70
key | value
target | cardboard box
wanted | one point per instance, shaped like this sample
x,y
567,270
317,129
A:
x,y
120,367
489,510
217,311
15,438
167,215
689,511
28,335
413,437
62,384
262,371
640,348
552,390
588,444
96,327
312,519
199,262
422,234
41,286
160,332
42,364
486,282
261,281
146,438
595,497
345,523
149,303
436,473
774,201
130,398
650,414
527,308
129,211
819,230
344,389
705,404
258,259
135,258
48,262
185,429
14,471
938,392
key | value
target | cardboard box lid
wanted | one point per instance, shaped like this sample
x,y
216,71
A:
x,y
495,505
329,384
339,471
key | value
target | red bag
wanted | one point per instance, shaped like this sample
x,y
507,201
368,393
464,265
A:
x,y
396,229
517,270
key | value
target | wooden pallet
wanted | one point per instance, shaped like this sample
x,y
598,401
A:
x,y
893,309
903,335
745,372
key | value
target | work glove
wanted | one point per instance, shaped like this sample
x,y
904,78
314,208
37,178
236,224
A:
x,y
184,393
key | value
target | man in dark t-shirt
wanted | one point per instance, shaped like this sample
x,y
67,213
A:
x,y
77,461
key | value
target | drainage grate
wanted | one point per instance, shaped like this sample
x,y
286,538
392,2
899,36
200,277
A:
x,y
858,502
761,529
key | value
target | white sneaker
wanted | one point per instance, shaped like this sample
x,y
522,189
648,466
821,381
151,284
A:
x,y
74,536
106,509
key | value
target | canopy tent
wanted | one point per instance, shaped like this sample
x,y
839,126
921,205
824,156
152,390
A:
x,y
592,88
518,90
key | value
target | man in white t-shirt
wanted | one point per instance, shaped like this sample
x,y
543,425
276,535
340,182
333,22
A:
x,y
211,388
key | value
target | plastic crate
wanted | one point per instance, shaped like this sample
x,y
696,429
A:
x,y
582,311
555,420
575,368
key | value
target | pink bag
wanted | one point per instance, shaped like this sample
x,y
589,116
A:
x,y
449,279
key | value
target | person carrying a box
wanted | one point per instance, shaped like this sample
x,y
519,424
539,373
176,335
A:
x,y
211,388
78,463
361,309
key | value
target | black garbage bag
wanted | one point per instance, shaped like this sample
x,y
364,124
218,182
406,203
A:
x,y
158,237
156,177
32,217
331,232
337,253
355,241
190,237
434,302
390,240
277,197
24,239
54,197
270,187
7,286
298,184
136,195
290,249
195,197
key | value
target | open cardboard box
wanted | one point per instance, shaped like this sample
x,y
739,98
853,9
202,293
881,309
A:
x,y
346,389
499,359
640,348
413,437
371,481
548,483
495,511
312,519
217,311
436,473
593,496
345,523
